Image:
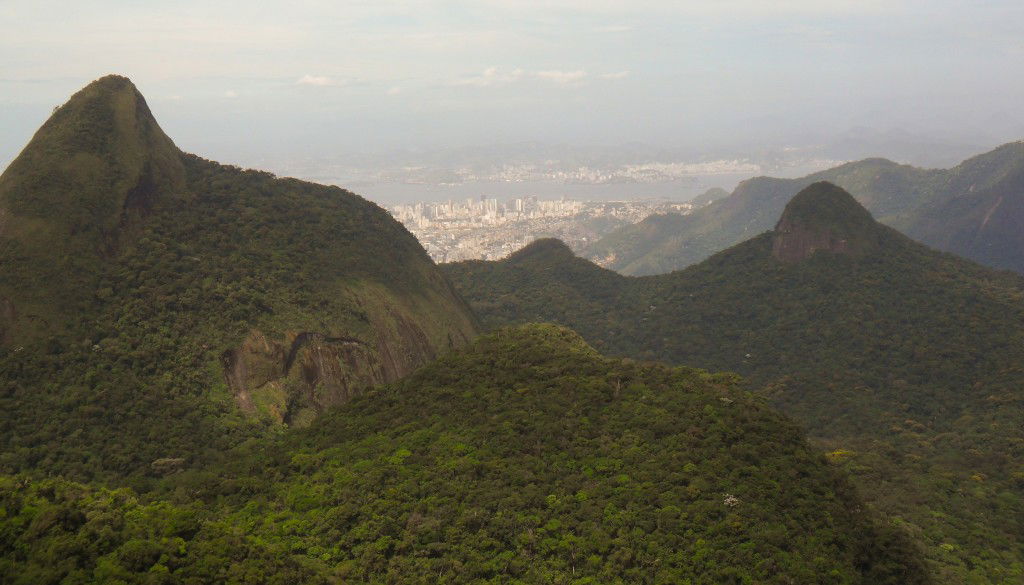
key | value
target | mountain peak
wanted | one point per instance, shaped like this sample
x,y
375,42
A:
x,y
823,217
543,249
99,160
113,82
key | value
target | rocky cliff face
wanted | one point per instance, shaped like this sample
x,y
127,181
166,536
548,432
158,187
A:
x,y
8,316
292,376
794,242
306,371
823,218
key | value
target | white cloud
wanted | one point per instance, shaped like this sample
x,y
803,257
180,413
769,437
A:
x,y
394,90
563,77
492,76
613,28
318,80
752,9
230,94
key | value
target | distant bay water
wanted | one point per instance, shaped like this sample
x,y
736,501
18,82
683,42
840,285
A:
x,y
399,193
683,189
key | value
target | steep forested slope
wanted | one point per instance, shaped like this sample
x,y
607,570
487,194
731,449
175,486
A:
x,y
904,363
526,458
156,307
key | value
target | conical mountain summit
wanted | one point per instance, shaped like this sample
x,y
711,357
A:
x,y
824,217
99,161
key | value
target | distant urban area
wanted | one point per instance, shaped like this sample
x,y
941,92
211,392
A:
x,y
633,172
487,202
489,229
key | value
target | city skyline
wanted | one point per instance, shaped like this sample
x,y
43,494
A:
x,y
486,228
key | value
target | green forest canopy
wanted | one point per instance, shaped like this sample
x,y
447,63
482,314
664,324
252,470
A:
x,y
905,364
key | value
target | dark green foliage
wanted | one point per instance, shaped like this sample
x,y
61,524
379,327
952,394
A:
x,y
99,155
527,458
142,360
905,364
55,531
824,206
112,357
975,209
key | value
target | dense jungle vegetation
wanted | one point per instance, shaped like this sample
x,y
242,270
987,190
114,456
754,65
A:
x,y
133,276
124,293
525,458
905,366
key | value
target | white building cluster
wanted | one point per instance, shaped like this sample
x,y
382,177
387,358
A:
x,y
482,212
489,229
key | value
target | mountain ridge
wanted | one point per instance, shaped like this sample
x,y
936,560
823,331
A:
x,y
943,208
902,363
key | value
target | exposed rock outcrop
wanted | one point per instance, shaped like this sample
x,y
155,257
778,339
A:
x,y
307,368
292,376
823,218
8,316
794,242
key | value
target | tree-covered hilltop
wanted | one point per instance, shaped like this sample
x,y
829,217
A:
x,y
524,458
156,308
905,364
975,210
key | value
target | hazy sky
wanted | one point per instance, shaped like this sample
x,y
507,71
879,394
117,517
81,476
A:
x,y
233,79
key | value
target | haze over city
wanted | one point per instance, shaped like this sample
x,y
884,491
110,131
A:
x,y
349,92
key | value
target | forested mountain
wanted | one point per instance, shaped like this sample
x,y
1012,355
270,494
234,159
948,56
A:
x,y
156,307
711,195
209,374
975,210
524,458
904,363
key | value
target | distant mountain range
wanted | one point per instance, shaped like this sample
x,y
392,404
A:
x,y
903,362
975,210
609,172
